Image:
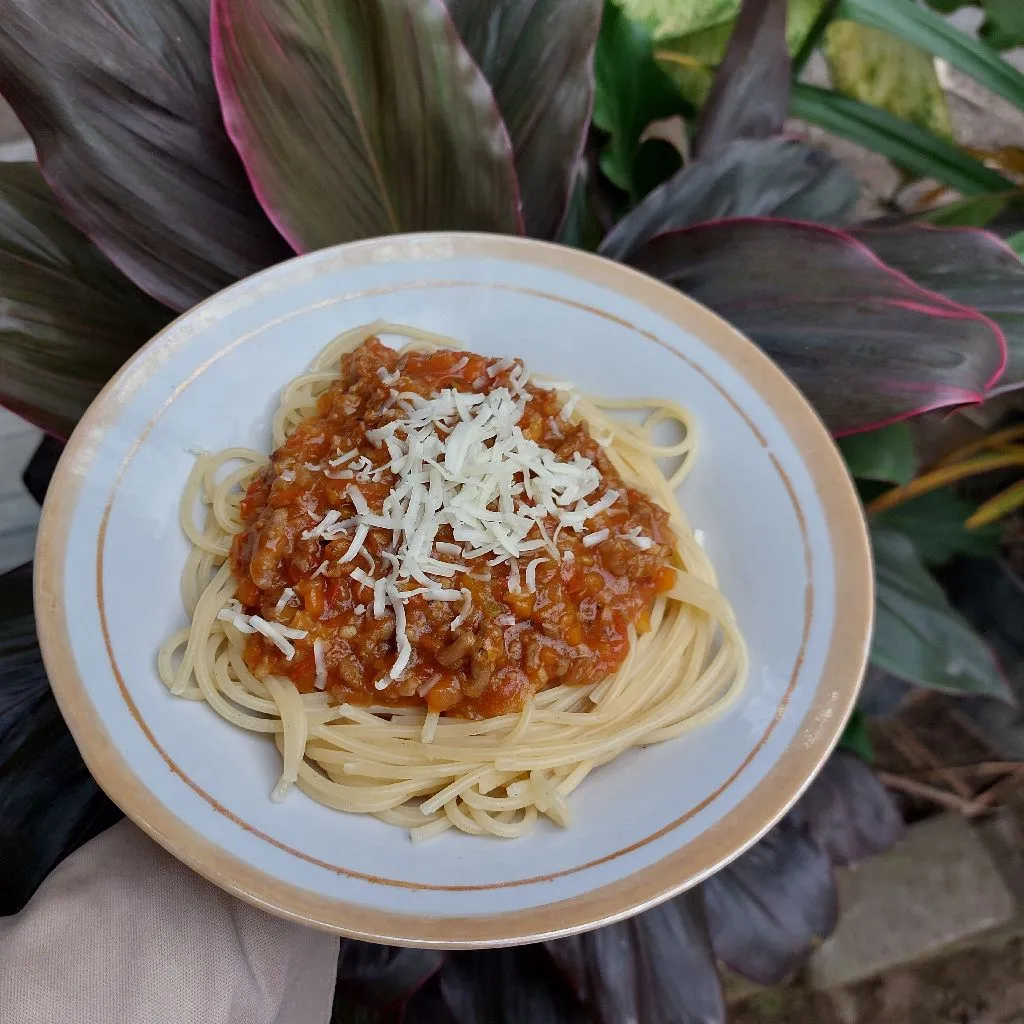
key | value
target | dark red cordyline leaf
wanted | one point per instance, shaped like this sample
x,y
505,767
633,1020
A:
x,y
762,178
969,266
118,97
362,118
865,344
384,976
49,804
538,56
767,910
750,95
68,317
655,968
848,812
517,985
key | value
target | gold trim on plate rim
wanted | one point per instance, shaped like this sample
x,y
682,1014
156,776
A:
x,y
682,868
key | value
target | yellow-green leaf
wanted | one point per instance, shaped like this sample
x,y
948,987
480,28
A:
x,y
691,35
877,68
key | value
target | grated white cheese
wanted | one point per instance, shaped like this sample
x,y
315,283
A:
x,y
464,611
342,459
328,520
570,407
277,635
286,595
591,540
321,665
322,567
698,536
531,573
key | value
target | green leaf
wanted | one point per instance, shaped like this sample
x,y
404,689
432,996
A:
x,y
362,118
631,92
866,345
970,267
856,738
1016,243
69,317
935,523
749,97
918,634
538,56
768,178
119,99
1003,28
886,454
881,70
918,151
929,32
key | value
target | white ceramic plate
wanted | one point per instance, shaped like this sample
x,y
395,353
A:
x,y
782,526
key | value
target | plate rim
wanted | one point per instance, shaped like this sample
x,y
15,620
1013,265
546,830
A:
x,y
770,798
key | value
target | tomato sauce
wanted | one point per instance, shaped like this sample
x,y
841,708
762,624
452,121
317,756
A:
x,y
572,630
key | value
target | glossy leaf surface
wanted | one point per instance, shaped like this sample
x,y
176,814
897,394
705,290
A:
x,y
848,812
538,56
919,636
867,346
69,317
769,178
119,99
361,119
886,454
768,909
971,267
749,97
655,968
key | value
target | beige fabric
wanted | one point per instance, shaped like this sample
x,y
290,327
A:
x,y
121,933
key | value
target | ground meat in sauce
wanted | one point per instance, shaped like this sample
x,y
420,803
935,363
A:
x,y
573,630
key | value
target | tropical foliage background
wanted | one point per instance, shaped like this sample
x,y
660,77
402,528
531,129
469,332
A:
x,y
184,144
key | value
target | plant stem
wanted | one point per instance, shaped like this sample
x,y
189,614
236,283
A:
x,y
941,477
952,802
986,443
813,37
996,508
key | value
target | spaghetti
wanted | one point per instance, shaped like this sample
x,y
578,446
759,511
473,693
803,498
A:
x,y
463,607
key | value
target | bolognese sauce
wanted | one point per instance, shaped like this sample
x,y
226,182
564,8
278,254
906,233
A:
x,y
469,629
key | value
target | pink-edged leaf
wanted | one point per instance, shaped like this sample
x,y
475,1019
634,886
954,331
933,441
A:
x,y
68,317
749,178
362,118
969,266
119,99
865,344
749,98
538,56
